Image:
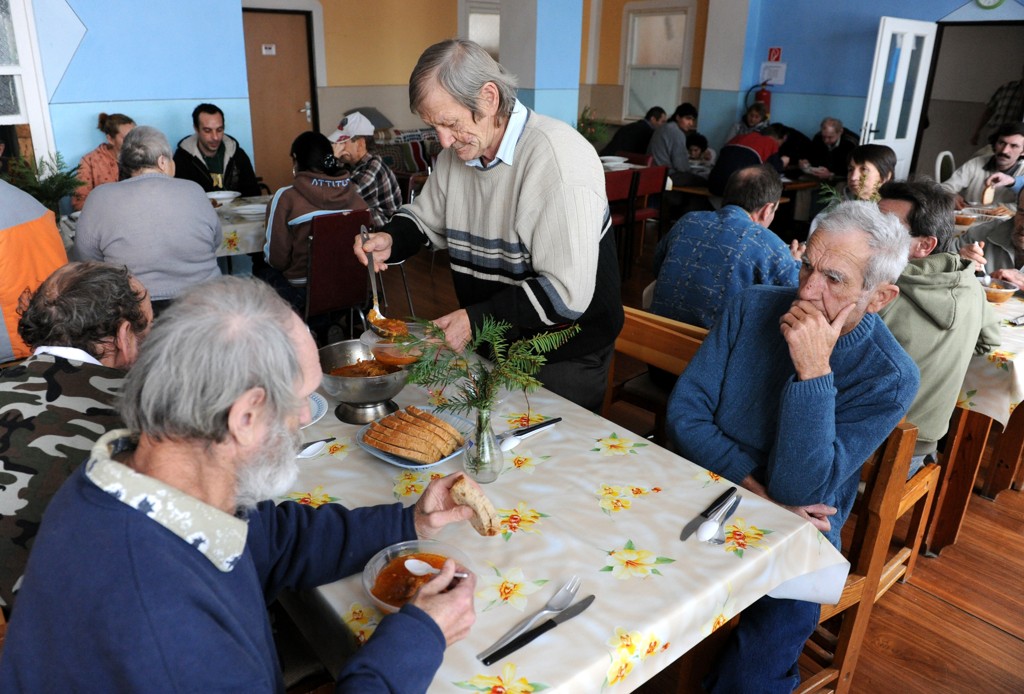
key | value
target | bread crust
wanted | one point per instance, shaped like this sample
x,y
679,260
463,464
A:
x,y
406,437
373,439
436,421
485,517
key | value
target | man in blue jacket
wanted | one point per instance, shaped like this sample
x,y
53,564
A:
x,y
788,396
156,560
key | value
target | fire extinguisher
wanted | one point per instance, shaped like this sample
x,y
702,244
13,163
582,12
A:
x,y
765,97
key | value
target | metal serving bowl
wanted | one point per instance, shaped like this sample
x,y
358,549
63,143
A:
x,y
362,399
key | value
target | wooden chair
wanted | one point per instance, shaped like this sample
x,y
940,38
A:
x,y
831,655
637,158
649,182
657,341
618,187
336,280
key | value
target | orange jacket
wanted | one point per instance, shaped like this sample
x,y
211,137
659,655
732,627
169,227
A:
x,y
30,249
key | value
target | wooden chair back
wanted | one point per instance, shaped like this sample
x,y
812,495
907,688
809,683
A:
x,y
335,278
832,655
657,341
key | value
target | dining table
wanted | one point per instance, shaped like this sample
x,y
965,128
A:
x,y
244,225
991,391
584,497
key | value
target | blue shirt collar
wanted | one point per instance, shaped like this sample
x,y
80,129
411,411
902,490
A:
x,y
507,148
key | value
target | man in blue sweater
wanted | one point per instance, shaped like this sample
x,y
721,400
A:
x,y
710,257
788,396
156,560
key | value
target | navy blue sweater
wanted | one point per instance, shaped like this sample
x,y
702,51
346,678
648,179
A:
x,y
737,409
113,601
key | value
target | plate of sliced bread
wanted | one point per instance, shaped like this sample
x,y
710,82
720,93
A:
x,y
414,438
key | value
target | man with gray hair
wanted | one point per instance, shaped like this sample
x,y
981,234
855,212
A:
x,y
157,558
519,201
163,229
85,324
830,151
788,396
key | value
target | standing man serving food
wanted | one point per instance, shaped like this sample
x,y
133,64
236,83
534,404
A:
x,y
518,199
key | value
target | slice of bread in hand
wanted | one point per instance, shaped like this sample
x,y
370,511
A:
x,y
485,516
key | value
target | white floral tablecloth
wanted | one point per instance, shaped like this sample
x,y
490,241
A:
x,y
994,383
583,497
242,234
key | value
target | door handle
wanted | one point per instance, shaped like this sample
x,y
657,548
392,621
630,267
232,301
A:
x,y
308,110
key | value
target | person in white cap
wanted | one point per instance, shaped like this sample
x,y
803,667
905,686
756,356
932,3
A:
x,y
376,182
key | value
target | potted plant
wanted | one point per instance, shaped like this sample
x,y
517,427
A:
x,y
588,125
477,383
47,180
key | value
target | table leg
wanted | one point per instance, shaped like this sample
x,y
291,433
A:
x,y
1005,458
968,434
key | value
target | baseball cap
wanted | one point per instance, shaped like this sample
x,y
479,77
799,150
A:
x,y
354,124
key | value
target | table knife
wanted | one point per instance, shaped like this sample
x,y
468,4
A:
x,y
520,641
716,505
523,432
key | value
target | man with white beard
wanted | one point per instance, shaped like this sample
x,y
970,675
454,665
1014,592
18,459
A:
x,y
156,560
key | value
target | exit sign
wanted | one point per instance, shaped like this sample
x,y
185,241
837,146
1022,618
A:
x,y
775,54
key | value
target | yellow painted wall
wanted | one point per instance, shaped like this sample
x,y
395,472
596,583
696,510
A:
x,y
378,42
611,41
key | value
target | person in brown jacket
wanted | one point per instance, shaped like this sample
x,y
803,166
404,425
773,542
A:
x,y
319,187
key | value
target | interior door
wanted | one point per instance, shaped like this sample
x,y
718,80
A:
x,y
899,77
279,64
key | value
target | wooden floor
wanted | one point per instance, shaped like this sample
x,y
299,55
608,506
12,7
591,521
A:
x,y
957,628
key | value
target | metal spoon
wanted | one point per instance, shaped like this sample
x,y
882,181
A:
x,y
374,316
986,280
418,567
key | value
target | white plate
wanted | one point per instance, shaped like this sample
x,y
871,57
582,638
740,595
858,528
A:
x,y
464,426
248,210
317,407
223,195
614,160
616,167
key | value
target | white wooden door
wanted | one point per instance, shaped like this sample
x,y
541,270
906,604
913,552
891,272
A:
x,y
903,57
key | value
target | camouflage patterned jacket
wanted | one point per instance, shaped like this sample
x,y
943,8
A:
x,y
52,410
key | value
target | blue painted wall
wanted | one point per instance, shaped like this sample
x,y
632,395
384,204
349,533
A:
x,y
828,46
153,61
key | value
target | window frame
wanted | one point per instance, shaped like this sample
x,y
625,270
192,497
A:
x,y
35,106
656,7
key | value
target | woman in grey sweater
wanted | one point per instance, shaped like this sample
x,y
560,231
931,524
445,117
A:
x,y
163,229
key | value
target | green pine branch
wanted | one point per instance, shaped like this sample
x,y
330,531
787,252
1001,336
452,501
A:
x,y
476,383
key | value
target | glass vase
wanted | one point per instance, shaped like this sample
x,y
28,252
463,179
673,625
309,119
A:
x,y
483,459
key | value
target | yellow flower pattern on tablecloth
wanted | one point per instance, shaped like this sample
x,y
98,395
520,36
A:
x,y
362,620
518,420
613,444
1001,358
508,588
525,462
739,537
965,401
613,499
519,520
721,616
707,477
629,649
629,562
340,448
230,242
412,483
315,498
505,683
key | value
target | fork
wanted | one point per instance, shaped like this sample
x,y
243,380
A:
x,y
558,602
